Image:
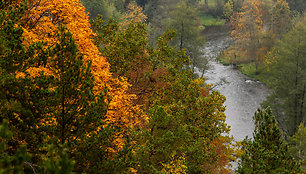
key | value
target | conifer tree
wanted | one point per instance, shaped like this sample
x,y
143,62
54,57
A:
x,y
297,145
22,109
267,152
18,162
286,64
10,163
55,106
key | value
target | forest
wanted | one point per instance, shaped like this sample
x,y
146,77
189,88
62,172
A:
x,y
109,86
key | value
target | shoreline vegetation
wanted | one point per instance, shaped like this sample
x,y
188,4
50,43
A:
x,y
107,86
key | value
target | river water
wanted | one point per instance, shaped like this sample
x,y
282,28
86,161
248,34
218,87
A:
x,y
243,94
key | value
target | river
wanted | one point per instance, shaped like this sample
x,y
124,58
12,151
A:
x,y
243,94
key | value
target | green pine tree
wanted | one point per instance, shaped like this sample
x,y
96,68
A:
x,y
10,163
22,109
61,108
267,152
57,162
286,76
297,145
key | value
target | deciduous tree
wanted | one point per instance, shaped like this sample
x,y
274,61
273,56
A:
x,y
247,30
187,32
228,10
280,18
45,16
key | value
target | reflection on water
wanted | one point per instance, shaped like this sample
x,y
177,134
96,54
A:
x,y
243,95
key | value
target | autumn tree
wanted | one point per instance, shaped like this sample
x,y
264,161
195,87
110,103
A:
x,y
51,92
267,153
53,107
171,97
21,99
18,104
280,18
133,14
247,30
228,10
47,15
287,78
76,114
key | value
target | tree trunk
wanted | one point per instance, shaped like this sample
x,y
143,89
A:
x,y
182,36
296,99
302,118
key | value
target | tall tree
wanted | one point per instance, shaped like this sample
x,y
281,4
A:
x,y
51,94
187,31
106,8
228,10
178,127
297,5
287,77
280,18
247,30
21,108
44,19
297,145
267,152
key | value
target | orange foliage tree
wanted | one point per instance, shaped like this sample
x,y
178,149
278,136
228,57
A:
x,y
247,30
42,20
185,119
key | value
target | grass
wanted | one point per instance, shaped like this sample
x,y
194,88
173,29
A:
x,y
248,69
224,60
211,3
208,20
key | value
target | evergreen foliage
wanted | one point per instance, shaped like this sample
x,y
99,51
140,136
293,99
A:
x,y
56,106
286,73
64,108
297,145
188,34
267,152
56,160
107,8
185,120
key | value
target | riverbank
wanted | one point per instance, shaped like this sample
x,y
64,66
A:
x,y
246,68
243,94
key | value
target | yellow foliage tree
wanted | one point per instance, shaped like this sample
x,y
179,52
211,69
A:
x,y
248,28
175,166
134,14
42,21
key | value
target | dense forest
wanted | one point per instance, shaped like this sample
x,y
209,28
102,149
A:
x,y
108,86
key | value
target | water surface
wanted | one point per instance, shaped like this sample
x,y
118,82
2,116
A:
x,y
243,94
